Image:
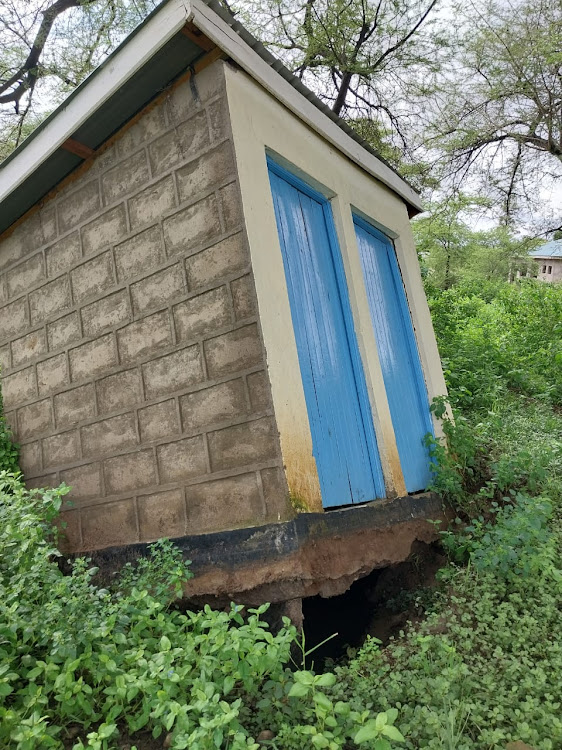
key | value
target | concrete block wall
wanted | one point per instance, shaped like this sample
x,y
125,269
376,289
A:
x,y
133,366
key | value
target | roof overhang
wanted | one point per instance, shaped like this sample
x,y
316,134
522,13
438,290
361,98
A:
x,y
150,58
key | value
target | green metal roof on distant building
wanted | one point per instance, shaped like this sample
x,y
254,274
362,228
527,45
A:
x,y
552,249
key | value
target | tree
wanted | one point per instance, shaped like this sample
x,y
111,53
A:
x,y
362,57
451,250
47,47
498,113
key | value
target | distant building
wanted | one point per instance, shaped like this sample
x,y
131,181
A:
x,y
549,259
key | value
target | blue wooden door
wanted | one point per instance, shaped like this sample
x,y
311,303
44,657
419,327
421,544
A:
x,y
343,437
398,353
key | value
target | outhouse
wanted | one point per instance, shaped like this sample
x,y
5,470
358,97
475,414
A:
x,y
212,321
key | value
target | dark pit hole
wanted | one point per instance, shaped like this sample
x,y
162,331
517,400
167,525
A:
x,y
380,605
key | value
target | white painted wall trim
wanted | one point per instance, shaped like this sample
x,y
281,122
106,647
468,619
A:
x,y
96,90
220,32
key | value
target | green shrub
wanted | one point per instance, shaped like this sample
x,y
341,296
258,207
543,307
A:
x,y
485,668
9,451
72,653
497,336
106,662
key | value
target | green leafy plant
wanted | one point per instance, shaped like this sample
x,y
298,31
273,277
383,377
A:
x,y
118,659
9,450
324,723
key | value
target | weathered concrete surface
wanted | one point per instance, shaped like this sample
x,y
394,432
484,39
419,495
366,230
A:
x,y
133,365
314,554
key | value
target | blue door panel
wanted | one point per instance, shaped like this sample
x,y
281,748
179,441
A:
x,y
343,438
398,354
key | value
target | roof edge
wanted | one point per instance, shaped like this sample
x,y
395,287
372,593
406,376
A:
x,y
138,47
223,29
230,36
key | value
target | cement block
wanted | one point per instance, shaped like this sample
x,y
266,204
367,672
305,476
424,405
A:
x,y
75,208
120,391
140,254
48,221
192,227
233,351
223,503
127,177
13,319
130,472
105,158
208,84
92,358
219,119
75,405
276,495
161,515
52,374
70,531
30,459
179,144
64,331
231,204
152,204
85,482
113,523
49,300
104,230
211,405
149,126
25,238
19,388
260,391
93,277
174,372
183,459
61,449
206,171
144,337
244,297
107,312
203,314
248,443
108,435
158,290
44,481
5,358
28,347
64,254
158,421
25,275
35,419
226,257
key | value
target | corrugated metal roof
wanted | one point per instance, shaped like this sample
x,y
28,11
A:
x,y
173,59
552,249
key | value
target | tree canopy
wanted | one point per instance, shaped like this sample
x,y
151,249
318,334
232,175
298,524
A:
x,y
471,105
47,47
496,118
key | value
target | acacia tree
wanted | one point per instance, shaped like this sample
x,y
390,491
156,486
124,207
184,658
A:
x,y
47,47
366,59
498,115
